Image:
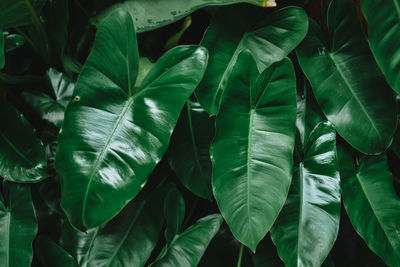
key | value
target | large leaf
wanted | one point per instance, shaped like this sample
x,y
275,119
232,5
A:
x,y
22,155
52,108
150,15
50,254
18,226
371,202
16,13
347,83
269,36
127,240
113,133
307,227
253,146
383,17
189,151
187,248
58,25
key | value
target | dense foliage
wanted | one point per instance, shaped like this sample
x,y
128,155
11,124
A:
x,y
199,132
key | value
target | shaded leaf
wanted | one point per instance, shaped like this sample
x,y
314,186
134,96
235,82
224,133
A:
x,y
174,213
50,254
16,13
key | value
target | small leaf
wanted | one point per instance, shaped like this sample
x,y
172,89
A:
x,y
22,155
174,213
187,248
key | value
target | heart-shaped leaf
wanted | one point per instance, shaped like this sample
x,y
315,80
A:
x,y
253,147
114,134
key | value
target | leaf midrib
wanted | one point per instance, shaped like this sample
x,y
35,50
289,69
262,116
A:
x,y
249,158
299,229
102,154
355,96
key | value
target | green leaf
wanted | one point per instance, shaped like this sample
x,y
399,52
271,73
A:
x,y
18,226
189,151
22,155
113,137
187,248
383,19
16,13
150,15
50,109
127,240
308,225
174,213
50,254
2,59
339,75
371,203
269,36
13,41
253,147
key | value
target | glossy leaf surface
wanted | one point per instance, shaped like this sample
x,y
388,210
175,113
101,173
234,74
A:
x,y
52,108
253,146
371,203
187,248
269,36
22,155
383,19
307,227
114,134
16,13
50,254
150,15
18,226
174,213
189,151
339,75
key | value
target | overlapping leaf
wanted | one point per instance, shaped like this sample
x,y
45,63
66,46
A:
x,y
50,254
114,133
150,15
22,155
347,83
253,146
371,202
383,19
269,36
16,13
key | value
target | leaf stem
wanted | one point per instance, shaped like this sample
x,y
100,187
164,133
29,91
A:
x,y
239,262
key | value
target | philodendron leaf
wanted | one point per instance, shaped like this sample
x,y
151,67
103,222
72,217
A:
x,y
50,254
22,155
253,146
16,13
308,225
269,36
150,15
186,249
189,151
127,240
174,213
339,75
113,133
18,226
371,203
52,108
383,19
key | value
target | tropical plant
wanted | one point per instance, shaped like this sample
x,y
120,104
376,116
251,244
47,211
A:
x,y
199,133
